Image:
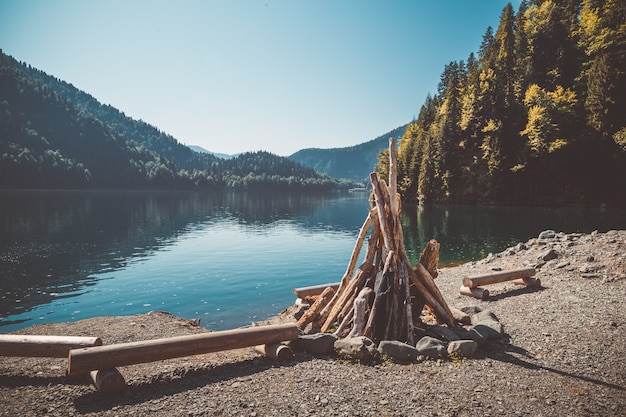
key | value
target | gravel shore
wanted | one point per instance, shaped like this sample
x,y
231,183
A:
x,y
564,354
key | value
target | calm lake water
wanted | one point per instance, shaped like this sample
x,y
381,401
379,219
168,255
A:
x,y
228,259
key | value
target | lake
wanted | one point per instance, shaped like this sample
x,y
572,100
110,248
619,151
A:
x,y
228,259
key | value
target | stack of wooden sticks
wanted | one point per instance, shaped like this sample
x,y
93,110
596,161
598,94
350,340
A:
x,y
384,297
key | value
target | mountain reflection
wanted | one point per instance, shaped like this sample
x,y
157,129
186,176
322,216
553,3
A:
x,y
52,242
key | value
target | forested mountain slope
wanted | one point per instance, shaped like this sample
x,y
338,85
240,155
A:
x,y
354,162
538,117
55,136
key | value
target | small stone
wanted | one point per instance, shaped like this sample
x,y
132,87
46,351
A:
x,y
485,315
318,343
464,348
398,351
547,234
548,255
471,310
359,347
431,347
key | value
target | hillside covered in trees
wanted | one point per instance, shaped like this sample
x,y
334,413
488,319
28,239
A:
x,y
53,135
538,117
353,162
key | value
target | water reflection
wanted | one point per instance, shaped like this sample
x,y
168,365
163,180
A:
x,y
53,243
472,232
207,250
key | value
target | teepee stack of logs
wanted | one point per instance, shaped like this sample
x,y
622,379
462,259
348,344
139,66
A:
x,y
384,297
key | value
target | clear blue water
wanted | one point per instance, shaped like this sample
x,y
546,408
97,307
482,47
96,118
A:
x,y
228,259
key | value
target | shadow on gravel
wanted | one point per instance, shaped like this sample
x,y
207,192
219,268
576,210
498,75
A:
x,y
175,382
516,292
506,352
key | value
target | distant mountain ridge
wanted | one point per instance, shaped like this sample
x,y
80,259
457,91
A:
x,y
200,149
54,136
353,162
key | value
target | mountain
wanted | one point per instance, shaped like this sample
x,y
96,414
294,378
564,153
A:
x,y
536,118
354,162
53,135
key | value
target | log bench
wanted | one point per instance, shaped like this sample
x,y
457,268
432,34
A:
x,y
472,284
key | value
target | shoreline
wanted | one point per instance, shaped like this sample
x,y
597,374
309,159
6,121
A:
x,y
562,356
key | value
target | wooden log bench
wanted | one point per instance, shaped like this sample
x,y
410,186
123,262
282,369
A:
x,y
472,284
88,359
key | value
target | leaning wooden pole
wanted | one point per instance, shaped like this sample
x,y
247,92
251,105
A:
x,y
110,356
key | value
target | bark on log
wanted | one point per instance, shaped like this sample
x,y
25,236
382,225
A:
x,y
111,356
476,292
375,327
351,264
43,346
276,351
441,308
408,306
495,277
343,328
362,305
387,234
316,308
346,296
108,380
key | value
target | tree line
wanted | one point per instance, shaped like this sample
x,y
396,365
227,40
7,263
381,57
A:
x,y
537,117
53,135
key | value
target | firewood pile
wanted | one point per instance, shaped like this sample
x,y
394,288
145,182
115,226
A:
x,y
385,296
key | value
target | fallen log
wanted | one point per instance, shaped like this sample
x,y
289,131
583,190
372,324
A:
x,y
103,357
108,380
495,277
476,292
43,346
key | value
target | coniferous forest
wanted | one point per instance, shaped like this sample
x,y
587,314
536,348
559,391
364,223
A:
x,y
538,117
54,136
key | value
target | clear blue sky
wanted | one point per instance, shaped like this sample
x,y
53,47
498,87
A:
x,y
235,75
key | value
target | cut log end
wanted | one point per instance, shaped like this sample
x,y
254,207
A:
x,y
480,293
276,351
108,380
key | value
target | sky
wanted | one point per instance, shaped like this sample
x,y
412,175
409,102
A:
x,y
236,76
